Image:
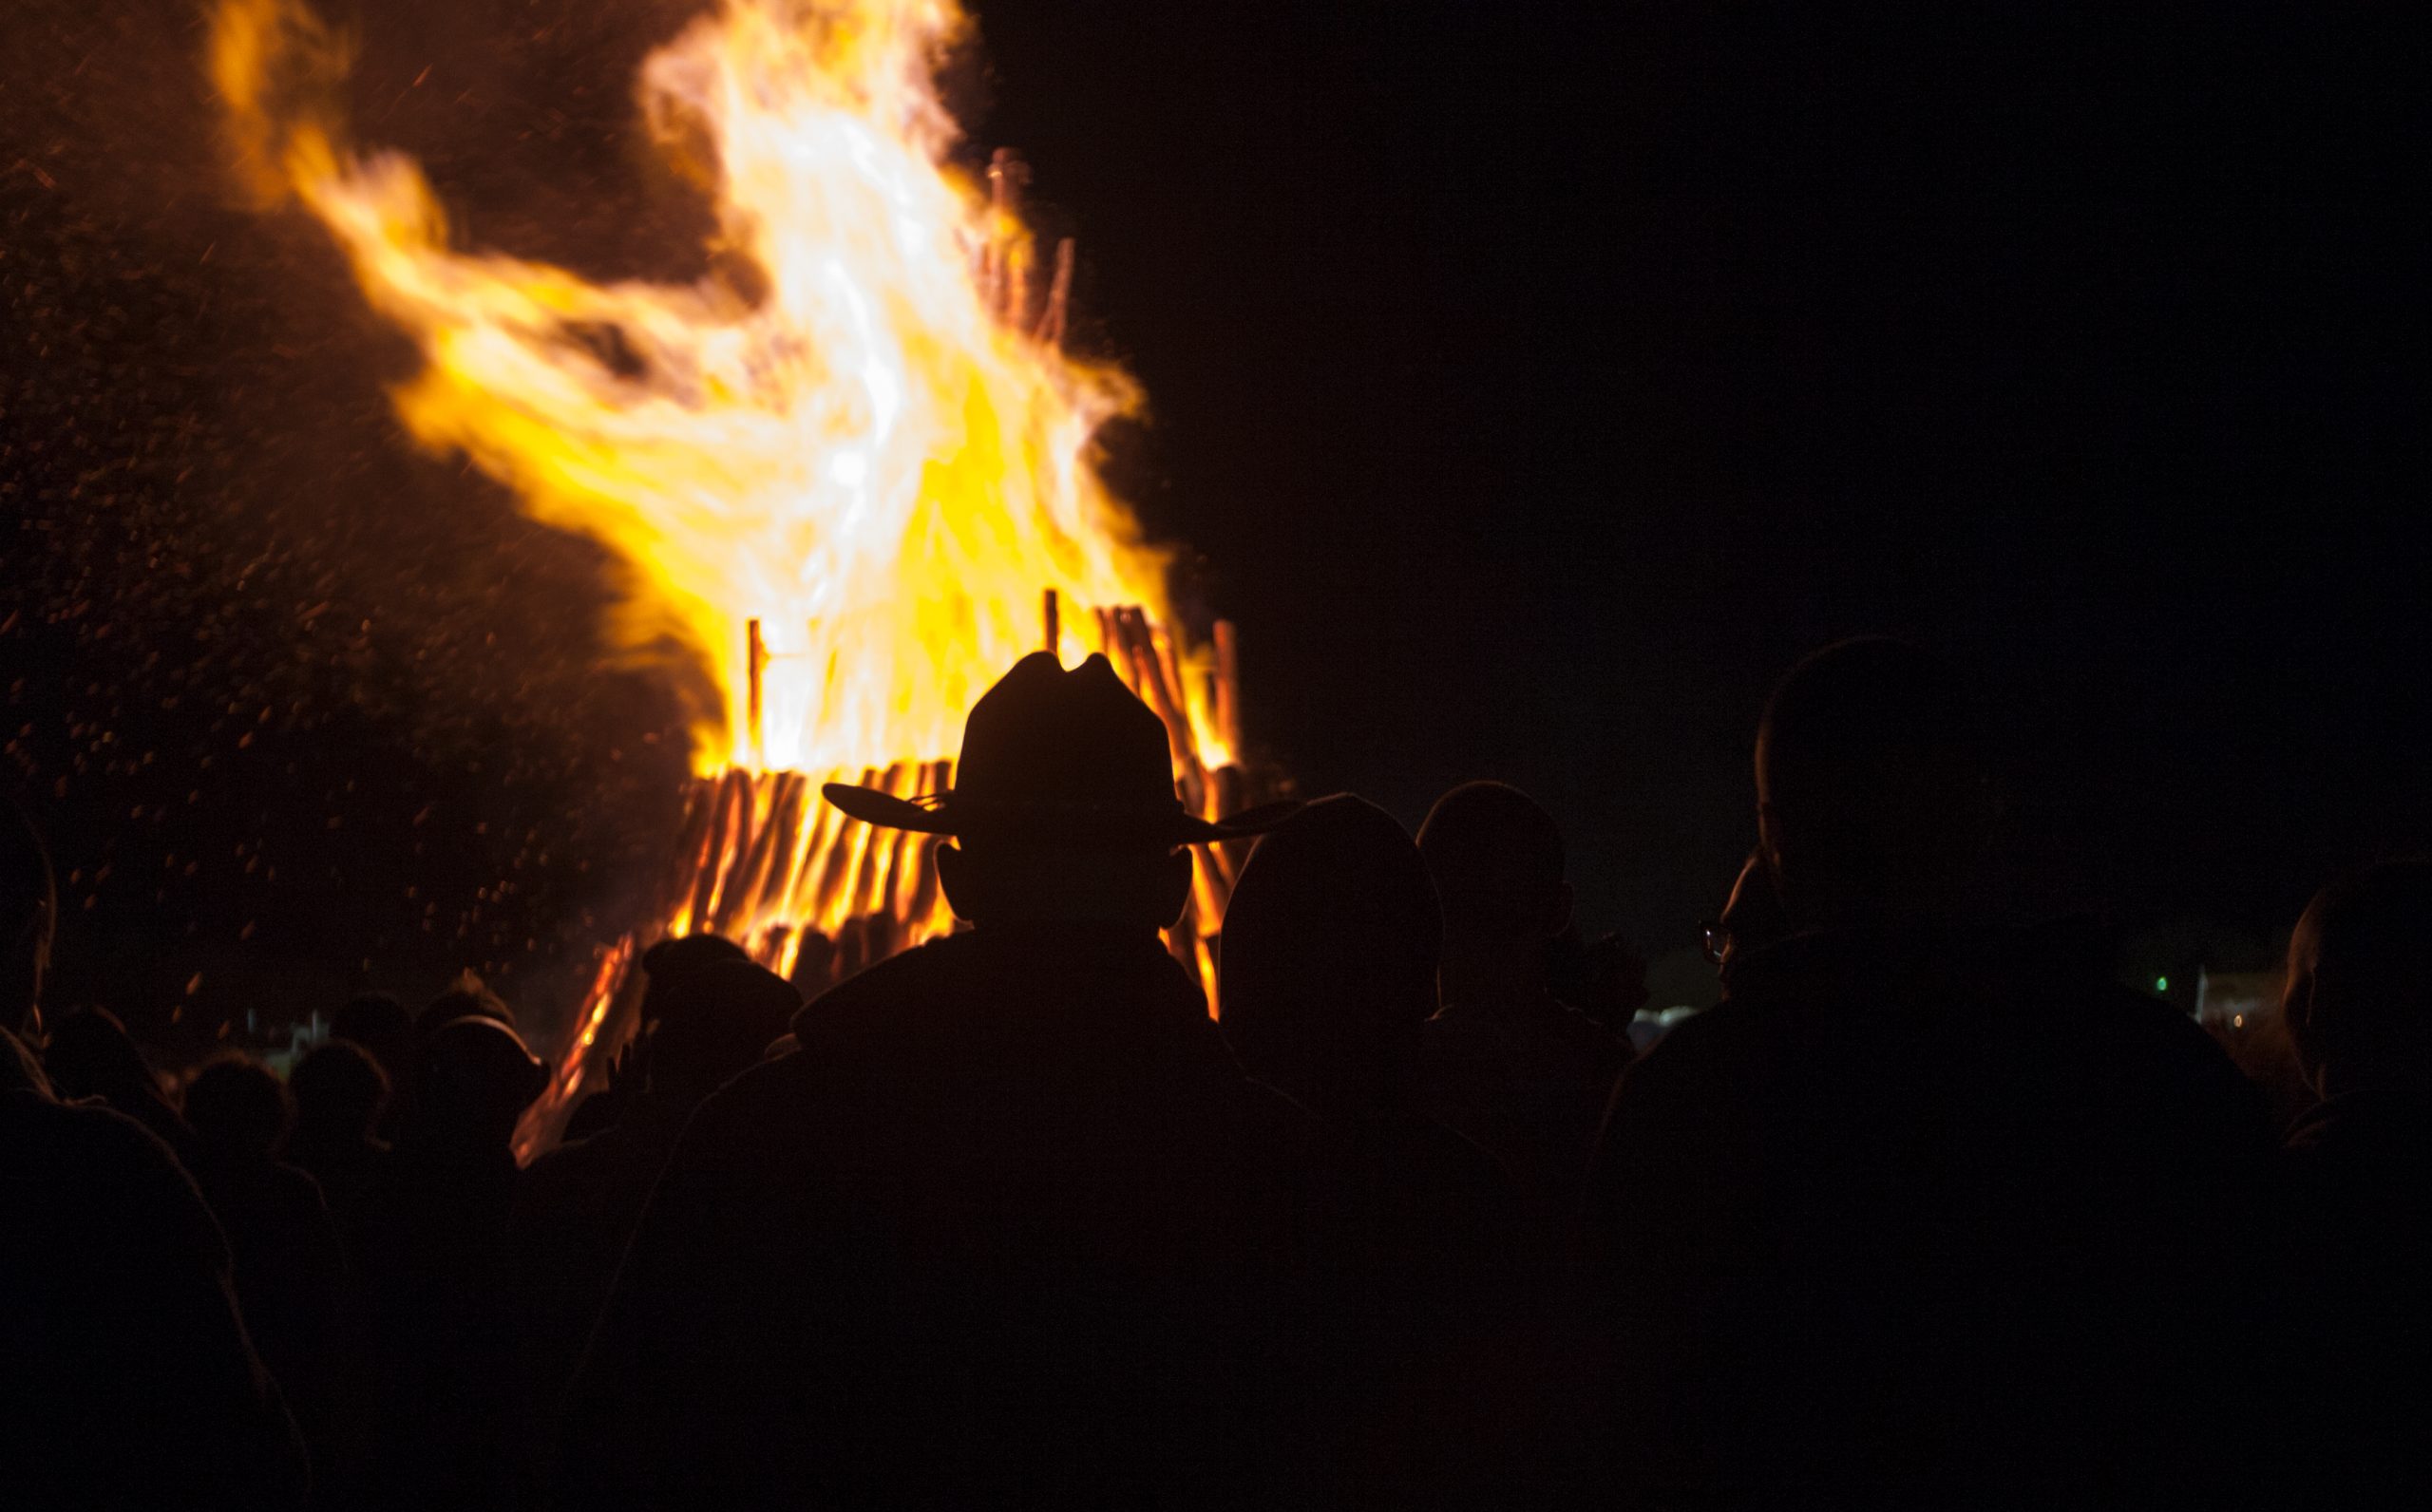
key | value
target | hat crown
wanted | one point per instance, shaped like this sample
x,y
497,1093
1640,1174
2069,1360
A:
x,y
1045,739
1069,758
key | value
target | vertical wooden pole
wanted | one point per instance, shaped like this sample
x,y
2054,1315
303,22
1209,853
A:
x,y
1228,706
1051,617
756,658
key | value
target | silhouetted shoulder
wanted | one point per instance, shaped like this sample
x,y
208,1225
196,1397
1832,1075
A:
x,y
875,998
1696,1049
778,1083
121,1316
104,1151
1696,1036
2159,1059
2132,1018
569,1177
1681,1091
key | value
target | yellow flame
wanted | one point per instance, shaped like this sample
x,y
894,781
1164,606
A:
x,y
848,429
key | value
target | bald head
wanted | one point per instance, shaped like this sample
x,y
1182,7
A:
x,y
2358,999
1498,862
1874,785
1330,949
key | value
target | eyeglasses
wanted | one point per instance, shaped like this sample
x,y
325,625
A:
x,y
1716,939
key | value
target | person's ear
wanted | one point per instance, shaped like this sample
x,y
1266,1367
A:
x,y
956,880
2297,1016
1769,845
1174,891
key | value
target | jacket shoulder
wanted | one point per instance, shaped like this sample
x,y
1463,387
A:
x,y
100,1149
877,993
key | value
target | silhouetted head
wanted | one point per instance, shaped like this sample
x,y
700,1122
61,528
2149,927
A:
x,y
237,1107
468,996
1874,793
1063,809
338,1090
2358,999
474,1081
679,955
1329,955
1498,862
28,912
381,1025
714,1022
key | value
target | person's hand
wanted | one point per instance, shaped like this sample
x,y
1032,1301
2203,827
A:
x,y
624,1070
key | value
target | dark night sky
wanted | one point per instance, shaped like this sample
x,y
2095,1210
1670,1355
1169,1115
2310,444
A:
x,y
1533,390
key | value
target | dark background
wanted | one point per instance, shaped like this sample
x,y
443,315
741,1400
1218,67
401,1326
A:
x,y
1534,384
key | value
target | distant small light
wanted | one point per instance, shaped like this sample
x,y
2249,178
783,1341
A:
x,y
2237,1021
2162,984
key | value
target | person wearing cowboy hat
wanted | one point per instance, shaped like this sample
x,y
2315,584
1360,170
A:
x,y
1064,807
1009,1225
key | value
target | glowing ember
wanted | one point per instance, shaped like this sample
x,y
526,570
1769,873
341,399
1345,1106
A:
x,y
859,430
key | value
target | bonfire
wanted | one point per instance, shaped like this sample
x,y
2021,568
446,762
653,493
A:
x,y
850,471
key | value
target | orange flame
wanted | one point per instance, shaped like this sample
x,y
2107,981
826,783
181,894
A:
x,y
851,430
860,431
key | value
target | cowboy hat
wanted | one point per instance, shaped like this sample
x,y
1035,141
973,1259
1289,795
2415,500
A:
x,y
1066,757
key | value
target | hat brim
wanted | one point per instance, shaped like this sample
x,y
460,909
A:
x,y
940,814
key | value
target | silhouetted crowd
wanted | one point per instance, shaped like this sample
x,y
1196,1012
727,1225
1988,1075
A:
x,y
1925,1211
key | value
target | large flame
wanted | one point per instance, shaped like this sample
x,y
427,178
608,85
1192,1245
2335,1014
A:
x,y
853,429
838,471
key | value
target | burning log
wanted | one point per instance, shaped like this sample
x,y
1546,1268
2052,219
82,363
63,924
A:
x,y
1227,690
1059,292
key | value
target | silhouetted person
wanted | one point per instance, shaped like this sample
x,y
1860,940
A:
x,y
288,1266
600,1109
90,1054
339,1092
385,1027
126,1376
1330,948
1000,1230
662,963
708,1015
1520,1074
2358,1004
468,996
434,1257
1924,1209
